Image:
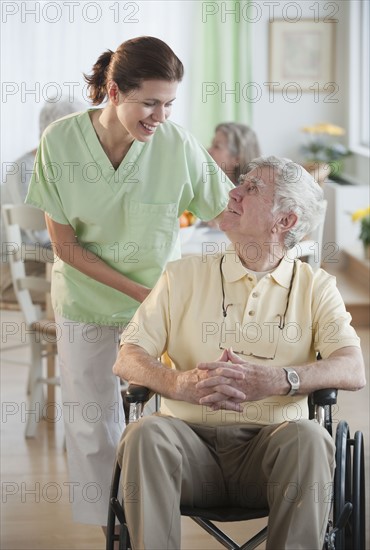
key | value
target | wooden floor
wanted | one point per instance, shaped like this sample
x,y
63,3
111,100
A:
x,y
35,508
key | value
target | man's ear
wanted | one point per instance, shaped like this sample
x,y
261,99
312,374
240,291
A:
x,y
286,222
113,92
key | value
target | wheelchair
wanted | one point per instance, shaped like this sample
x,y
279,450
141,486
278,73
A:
x,y
346,525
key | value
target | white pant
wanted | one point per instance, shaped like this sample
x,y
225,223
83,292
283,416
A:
x,y
93,414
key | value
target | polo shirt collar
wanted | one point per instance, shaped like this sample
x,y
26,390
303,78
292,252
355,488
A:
x,y
232,267
233,270
283,273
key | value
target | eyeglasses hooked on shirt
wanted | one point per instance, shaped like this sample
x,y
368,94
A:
x,y
270,347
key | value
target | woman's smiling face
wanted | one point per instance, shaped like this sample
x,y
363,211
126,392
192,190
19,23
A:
x,y
142,110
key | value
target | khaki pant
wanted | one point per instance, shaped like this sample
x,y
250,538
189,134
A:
x,y
167,462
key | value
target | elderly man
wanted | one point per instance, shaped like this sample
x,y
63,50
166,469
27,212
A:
x,y
241,331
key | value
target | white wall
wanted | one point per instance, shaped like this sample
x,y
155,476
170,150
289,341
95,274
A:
x,y
46,46
36,52
278,122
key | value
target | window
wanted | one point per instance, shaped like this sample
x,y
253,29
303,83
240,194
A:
x,y
359,78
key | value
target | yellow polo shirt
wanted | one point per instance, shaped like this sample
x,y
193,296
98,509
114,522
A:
x,y
183,316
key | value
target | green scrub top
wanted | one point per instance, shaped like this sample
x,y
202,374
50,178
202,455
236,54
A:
x,y
129,216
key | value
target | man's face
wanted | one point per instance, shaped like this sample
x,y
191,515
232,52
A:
x,y
248,214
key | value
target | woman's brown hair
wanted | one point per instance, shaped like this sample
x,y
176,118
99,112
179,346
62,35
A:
x,y
138,59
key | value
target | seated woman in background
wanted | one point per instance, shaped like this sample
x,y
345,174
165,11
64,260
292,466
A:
x,y
233,147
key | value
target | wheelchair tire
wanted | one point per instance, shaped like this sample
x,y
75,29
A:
x,y
349,486
342,484
358,493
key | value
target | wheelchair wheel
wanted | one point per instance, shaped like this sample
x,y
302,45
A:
x,y
349,486
358,493
116,512
342,484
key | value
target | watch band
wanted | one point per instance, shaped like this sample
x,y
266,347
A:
x,y
293,380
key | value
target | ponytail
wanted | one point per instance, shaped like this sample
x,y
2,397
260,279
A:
x,y
97,81
138,59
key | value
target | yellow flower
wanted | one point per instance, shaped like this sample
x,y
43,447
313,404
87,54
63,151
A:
x,y
324,128
333,130
360,214
321,146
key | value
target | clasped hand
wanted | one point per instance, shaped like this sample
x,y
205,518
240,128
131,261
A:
x,y
229,382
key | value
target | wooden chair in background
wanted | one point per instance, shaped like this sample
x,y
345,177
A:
x,y
38,324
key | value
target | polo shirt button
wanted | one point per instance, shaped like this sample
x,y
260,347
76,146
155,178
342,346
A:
x,y
250,278
251,312
255,295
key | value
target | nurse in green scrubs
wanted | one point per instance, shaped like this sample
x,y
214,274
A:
x,y
113,182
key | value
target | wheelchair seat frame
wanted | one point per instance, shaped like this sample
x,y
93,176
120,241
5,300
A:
x,y
346,528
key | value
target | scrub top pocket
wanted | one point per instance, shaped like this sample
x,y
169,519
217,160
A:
x,y
152,226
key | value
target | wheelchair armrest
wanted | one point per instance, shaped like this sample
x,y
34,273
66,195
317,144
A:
x,y
140,394
137,394
319,406
328,396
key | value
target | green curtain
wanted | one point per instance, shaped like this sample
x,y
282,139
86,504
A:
x,y
220,71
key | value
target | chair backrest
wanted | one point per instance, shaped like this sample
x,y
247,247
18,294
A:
x,y
18,218
311,246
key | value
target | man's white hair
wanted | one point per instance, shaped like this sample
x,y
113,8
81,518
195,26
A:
x,y
295,190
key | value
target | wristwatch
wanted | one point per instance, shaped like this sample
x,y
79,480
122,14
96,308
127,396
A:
x,y
293,379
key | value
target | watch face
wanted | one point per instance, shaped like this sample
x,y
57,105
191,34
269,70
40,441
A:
x,y
293,377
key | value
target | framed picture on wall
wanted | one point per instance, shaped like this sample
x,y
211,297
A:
x,y
302,54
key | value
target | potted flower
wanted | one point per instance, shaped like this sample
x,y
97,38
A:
x,y
363,216
320,153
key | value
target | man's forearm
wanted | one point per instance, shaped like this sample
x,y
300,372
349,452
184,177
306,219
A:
x,y
343,370
136,366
